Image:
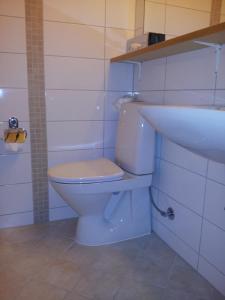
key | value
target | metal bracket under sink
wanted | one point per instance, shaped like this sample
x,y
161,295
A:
x,y
218,48
138,64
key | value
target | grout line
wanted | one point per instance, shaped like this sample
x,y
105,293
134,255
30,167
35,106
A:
x,y
202,216
87,25
10,16
178,202
12,184
214,224
79,120
87,90
17,213
181,167
188,170
178,237
178,6
104,109
214,266
75,57
178,90
13,52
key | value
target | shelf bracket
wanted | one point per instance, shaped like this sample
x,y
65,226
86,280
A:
x,y
217,47
138,64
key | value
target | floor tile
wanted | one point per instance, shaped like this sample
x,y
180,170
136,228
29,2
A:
x,y
37,290
44,262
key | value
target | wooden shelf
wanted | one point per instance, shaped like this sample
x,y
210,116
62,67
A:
x,y
180,44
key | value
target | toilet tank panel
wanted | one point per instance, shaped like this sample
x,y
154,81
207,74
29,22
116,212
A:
x,y
135,144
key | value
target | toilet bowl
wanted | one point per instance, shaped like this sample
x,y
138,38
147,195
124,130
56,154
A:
x,y
112,199
106,204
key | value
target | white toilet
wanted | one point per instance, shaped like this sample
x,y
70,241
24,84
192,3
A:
x,y
112,200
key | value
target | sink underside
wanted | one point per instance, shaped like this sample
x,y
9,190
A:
x,y
200,130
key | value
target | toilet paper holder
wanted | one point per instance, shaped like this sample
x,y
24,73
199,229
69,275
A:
x,y
14,134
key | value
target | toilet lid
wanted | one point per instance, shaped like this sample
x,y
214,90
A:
x,y
86,171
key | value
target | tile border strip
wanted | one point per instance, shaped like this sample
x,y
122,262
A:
x,y
37,108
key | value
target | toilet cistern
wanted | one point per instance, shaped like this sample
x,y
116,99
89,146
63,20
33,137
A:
x,y
112,199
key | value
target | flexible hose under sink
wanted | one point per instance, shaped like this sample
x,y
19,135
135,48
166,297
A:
x,y
170,214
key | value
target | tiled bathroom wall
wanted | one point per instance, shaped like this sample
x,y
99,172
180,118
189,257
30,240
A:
x,y
191,184
176,17
16,204
81,87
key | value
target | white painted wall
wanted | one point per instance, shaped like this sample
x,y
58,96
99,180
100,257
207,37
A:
x,y
16,205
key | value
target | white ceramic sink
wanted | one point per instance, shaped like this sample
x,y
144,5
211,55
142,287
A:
x,y
201,130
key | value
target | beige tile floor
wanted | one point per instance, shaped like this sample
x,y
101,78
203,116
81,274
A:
x,y
41,262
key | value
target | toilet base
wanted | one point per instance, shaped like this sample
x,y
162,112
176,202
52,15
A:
x,y
131,219
95,231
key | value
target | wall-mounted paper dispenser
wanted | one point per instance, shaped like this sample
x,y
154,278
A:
x,y
14,134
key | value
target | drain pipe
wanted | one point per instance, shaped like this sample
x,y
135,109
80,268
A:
x,y
170,214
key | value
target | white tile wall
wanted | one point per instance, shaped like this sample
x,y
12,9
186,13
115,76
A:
x,y
18,219
164,16
204,5
155,15
15,198
74,73
120,14
91,44
213,245
192,70
220,84
183,158
16,205
15,168
153,97
75,135
80,11
185,187
176,243
190,97
14,102
186,225
152,76
216,171
223,7
56,213
116,41
220,97
215,203
109,153
212,274
77,105
111,112
81,85
110,129
12,34
13,70
182,16
192,185
12,8
118,77
59,157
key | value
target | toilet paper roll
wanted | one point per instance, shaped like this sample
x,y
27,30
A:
x,y
13,147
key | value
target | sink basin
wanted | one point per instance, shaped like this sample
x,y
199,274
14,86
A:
x,y
200,130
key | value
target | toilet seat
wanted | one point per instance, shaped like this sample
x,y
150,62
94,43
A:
x,y
99,170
